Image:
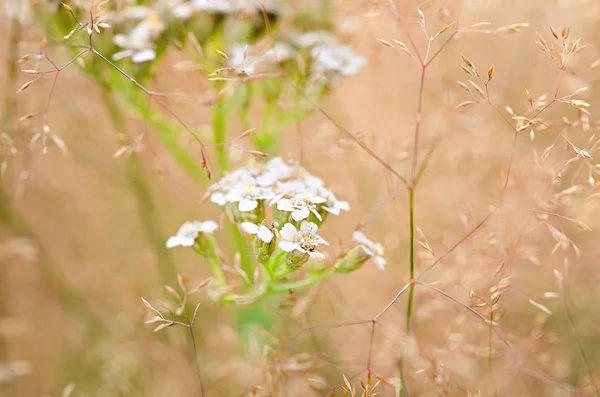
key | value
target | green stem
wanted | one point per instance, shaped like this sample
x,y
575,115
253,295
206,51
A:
x,y
215,264
220,134
411,221
301,284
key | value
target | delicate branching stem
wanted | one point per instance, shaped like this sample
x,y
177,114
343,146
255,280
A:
x,y
418,125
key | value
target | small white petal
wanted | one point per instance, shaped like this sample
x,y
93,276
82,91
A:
x,y
249,227
247,205
265,234
285,204
360,237
208,226
289,232
143,56
300,214
308,227
367,250
117,56
314,211
321,240
316,255
334,211
342,205
380,263
287,246
218,198
176,241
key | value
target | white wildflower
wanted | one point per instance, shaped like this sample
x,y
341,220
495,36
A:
x,y
262,232
301,206
314,38
189,231
306,240
337,59
248,196
292,188
375,251
241,58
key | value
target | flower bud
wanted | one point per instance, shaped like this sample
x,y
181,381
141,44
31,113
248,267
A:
x,y
263,249
295,259
352,261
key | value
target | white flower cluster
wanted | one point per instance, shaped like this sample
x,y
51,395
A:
x,y
289,188
138,43
331,57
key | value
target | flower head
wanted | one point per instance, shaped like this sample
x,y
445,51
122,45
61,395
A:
x,y
292,188
189,232
373,250
305,240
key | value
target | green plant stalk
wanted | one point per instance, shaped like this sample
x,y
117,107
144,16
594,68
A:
x,y
411,255
215,264
141,191
220,134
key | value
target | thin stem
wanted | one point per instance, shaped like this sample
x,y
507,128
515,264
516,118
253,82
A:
x,y
195,353
411,256
418,124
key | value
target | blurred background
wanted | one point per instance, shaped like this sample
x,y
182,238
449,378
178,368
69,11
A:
x,y
82,231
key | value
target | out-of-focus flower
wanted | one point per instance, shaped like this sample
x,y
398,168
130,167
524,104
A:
x,y
188,233
315,38
236,6
339,59
331,57
138,43
373,250
306,240
19,10
241,59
